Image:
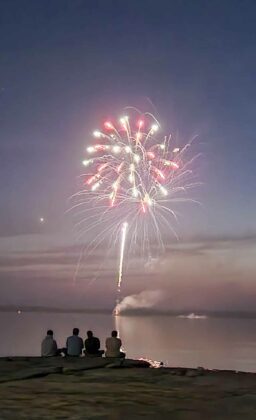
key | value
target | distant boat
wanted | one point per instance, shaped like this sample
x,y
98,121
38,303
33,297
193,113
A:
x,y
192,316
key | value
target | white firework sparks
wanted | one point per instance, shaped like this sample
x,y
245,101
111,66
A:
x,y
134,177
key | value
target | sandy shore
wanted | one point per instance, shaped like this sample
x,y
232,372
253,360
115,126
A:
x,y
36,388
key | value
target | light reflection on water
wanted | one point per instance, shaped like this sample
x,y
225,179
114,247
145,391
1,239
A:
x,y
211,343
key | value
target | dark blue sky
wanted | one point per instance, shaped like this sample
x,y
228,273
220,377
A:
x,y
65,65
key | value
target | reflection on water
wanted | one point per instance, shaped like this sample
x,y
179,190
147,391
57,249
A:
x,y
212,342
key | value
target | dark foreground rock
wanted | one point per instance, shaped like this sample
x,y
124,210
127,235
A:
x,y
36,388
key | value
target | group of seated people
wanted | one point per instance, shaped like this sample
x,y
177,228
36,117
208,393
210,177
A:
x,y
75,346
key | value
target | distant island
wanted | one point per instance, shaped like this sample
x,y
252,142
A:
x,y
186,313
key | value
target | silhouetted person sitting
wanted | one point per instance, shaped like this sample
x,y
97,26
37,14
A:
x,y
49,346
113,346
74,344
92,346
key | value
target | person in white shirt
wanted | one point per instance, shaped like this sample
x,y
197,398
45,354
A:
x,y
113,346
74,344
49,346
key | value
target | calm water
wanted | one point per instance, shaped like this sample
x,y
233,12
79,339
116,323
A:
x,y
213,343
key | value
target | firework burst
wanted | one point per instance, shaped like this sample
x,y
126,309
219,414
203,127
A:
x,y
133,178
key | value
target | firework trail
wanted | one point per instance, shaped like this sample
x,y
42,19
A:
x,y
134,177
120,274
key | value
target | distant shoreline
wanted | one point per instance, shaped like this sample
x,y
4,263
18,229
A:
x,y
181,314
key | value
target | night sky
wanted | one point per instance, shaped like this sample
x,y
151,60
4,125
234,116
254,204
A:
x,y
65,67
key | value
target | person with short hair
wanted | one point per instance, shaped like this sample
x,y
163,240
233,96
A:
x,y
113,346
49,346
74,344
92,346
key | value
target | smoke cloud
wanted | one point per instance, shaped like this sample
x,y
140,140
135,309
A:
x,y
143,300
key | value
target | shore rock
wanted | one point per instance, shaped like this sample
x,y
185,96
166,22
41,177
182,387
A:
x,y
60,388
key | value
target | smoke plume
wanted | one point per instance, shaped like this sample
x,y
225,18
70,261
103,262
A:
x,y
144,300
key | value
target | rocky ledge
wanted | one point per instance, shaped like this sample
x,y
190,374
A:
x,y
86,388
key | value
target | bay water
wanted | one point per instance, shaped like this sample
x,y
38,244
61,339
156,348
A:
x,y
215,343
